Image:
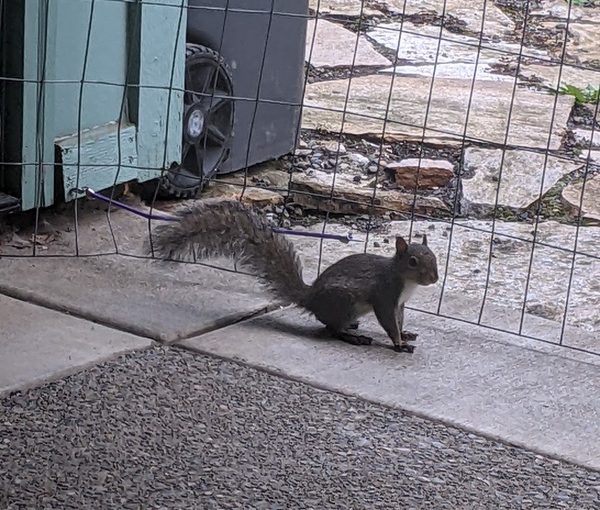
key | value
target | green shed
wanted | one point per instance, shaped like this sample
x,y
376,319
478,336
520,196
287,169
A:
x,y
94,85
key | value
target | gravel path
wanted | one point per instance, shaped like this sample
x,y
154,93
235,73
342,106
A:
x,y
166,428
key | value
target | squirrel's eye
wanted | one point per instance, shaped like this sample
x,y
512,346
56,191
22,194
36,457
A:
x,y
413,262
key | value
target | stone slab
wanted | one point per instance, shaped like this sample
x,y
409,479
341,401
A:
x,y
582,43
554,294
37,344
342,7
315,190
565,11
477,16
454,70
460,374
430,44
160,300
437,114
427,49
511,178
591,158
587,137
589,205
334,46
554,76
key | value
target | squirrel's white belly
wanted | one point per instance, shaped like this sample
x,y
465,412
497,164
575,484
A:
x,y
361,308
407,292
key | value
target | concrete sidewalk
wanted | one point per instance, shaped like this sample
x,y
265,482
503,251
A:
x,y
38,345
485,381
530,394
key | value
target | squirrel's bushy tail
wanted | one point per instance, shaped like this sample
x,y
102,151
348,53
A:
x,y
214,228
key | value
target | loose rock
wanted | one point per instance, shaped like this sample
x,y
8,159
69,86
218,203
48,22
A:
x,y
257,197
334,147
359,159
302,152
431,173
313,192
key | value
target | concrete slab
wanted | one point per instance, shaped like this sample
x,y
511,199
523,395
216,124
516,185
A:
x,y
163,301
172,301
37,344
460,374
171,429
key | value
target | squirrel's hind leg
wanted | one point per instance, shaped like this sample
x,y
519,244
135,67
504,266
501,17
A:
x,y
337,310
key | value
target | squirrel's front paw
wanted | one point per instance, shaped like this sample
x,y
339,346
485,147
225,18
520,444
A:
x,y
404,348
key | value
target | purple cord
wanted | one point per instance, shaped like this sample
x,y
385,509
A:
x,y
336,237
163,217
167,217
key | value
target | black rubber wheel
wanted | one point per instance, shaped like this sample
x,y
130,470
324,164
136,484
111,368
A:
x,y
208,117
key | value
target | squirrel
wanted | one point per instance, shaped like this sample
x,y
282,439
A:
x,y
348,289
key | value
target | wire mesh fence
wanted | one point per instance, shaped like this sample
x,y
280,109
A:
x,y
477,125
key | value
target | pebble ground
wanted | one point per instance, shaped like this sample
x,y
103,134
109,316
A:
x,y
167,428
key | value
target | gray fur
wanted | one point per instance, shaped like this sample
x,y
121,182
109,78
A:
x,y
346,290
214,228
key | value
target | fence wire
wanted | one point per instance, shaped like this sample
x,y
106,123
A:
x,y
495,104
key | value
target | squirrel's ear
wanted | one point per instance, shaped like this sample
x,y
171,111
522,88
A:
x,y
401,245
425,239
